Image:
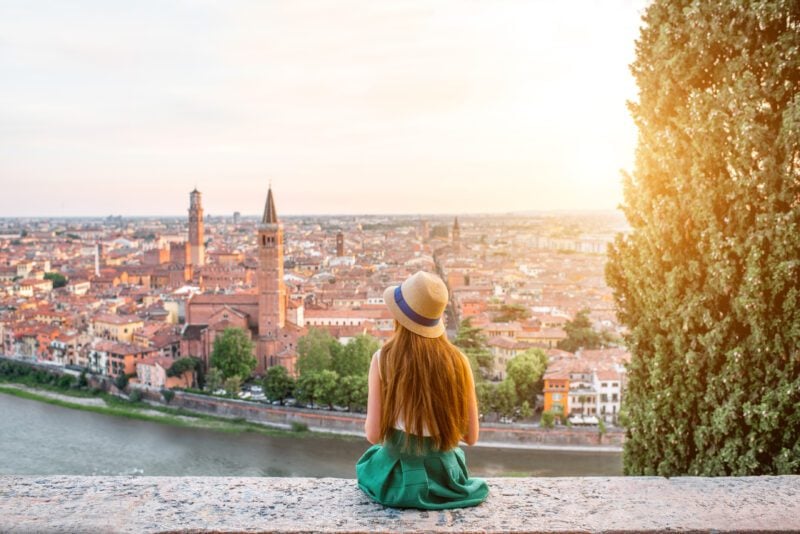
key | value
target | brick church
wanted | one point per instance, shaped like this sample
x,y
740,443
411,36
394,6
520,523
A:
x,y
261,313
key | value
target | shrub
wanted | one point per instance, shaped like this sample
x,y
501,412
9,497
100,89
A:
x,y
65,381
168,395
297,426
121,381
548,419
135,396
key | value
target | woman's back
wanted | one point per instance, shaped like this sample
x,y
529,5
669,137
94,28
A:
x,y
421,404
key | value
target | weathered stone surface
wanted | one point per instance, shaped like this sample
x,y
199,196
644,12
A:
x,y
225,504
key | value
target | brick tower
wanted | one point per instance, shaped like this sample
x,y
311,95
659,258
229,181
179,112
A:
x,y
271,288
340,244
196,237
456,237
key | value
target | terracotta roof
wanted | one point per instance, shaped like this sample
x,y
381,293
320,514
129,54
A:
x,y
211,298
116,319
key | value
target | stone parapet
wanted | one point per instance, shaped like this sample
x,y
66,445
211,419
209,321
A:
x,y
225,504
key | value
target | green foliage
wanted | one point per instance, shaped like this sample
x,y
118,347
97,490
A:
x,y
181,365
353,391
512,312
525,411
526,370
326,387
277,383
214,379
472,342
314,351
168,395
506,398
59,280
320,387
305,388
601,427
581,335
707,280
548,419
65,381
82,380
299,426
485,393
233,353
135,396
232,385
121,381
354,358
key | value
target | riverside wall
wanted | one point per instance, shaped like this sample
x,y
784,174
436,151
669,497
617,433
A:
x,y
492,434
514,435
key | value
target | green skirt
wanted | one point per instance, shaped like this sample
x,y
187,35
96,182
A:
x,y
431,480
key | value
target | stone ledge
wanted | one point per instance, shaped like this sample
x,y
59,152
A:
x,y
227,504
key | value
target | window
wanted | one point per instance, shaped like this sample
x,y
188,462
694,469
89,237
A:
x,y
604,385
556,396
615,384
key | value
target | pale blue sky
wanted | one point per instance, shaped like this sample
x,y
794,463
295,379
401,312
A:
x,y
347,107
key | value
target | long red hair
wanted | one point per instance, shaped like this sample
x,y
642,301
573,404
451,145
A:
x,y
425,382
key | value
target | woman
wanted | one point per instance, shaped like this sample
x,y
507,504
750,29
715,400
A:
x,y
421,404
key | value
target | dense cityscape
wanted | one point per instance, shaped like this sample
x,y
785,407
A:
x,y
123,296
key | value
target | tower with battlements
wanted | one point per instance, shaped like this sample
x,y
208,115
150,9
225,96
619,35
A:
x,y
196,235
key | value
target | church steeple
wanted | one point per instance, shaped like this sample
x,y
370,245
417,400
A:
x,y
272,299
270,215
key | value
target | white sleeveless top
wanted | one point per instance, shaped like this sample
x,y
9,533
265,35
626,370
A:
x,y
398,424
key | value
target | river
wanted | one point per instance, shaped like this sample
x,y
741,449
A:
x,y
43,439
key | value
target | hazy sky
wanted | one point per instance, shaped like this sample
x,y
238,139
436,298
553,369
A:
x,y
347,107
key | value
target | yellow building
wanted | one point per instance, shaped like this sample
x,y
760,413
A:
x,y
117,327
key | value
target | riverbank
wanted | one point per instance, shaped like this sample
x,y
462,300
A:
x,y
37,438
104,403
230,415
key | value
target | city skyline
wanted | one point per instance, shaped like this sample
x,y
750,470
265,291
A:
x,y
398,108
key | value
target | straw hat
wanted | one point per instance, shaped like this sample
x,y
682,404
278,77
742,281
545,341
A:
x,y
418,303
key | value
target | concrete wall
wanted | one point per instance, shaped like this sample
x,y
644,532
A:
x,y
226,504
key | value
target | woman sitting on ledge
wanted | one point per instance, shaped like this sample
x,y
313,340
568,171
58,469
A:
x,y
421,404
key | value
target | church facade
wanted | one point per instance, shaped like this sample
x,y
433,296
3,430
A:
x,y
262,314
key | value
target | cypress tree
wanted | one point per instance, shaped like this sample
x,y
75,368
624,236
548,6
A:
x,y
707,280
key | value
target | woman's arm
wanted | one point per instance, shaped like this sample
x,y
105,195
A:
x,y
372,426
473,425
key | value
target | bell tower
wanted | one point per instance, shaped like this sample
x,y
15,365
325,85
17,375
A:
x,y
271,288
456,237
196,235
